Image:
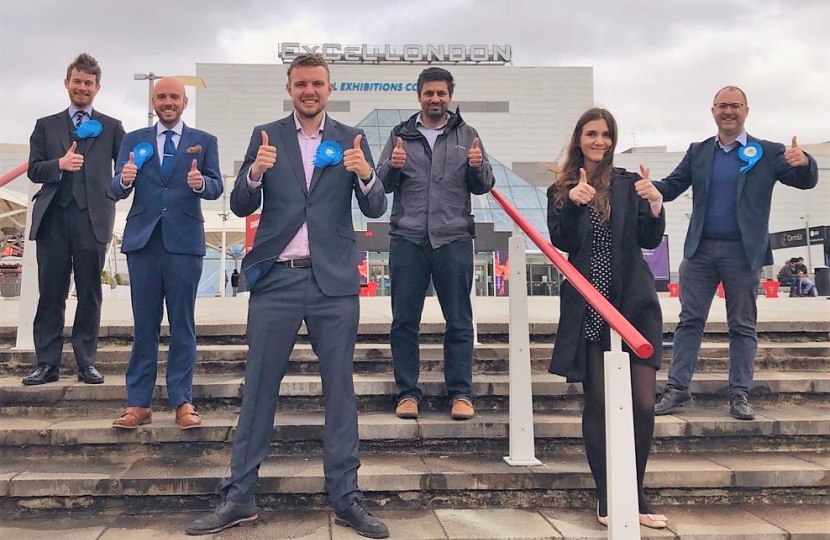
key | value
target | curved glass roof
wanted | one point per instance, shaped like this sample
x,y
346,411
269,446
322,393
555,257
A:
x,y
527,198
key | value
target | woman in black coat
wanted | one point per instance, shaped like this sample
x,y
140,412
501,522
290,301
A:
x,y
602,216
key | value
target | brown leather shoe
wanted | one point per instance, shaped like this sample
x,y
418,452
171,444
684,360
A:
x,y
462,409
187,417
407,408
134,417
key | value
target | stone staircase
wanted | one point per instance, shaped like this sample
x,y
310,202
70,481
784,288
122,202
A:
x,y
59,452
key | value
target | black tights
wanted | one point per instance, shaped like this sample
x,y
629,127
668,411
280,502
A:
x,y
643,384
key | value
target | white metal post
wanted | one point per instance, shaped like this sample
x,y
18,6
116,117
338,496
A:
x,y
623,508
222,256
28,285
473,297
113,284
522,442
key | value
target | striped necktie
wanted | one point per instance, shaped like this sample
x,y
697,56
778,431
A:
x,y
79,118
169,152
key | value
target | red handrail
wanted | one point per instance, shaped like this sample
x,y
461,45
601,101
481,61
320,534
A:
x,y
14,173
620,324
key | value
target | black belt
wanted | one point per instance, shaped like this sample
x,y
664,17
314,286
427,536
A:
x,y
304,262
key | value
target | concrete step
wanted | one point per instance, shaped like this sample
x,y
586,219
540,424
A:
x,y
376,392
695,429
405,481
377,358
738,522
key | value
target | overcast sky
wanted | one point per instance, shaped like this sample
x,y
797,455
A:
x,y
657,64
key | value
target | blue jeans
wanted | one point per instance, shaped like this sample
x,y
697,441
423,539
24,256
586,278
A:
x,y
717,261
451,269
806,287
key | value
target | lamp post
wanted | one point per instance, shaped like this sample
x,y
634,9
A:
x,y
223,254
806,218
151,78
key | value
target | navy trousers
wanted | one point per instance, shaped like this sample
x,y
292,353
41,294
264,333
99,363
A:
x,y
159,278
451,269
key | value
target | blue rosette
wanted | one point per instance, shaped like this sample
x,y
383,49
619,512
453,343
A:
x,y
328,153
142,153
751,153
89,129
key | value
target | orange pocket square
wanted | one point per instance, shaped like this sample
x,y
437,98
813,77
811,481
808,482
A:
x,y
194,149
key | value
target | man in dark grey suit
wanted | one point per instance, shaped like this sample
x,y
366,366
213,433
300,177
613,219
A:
x,y
732,176
302,267
72,220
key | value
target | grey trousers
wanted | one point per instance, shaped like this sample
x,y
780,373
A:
x,y
279,302
717,261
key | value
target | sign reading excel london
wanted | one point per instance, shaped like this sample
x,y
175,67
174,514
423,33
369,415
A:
x,y
401,54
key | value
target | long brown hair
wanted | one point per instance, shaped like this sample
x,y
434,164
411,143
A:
x,y
567,176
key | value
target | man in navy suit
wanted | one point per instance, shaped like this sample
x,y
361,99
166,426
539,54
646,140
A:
x,y
72,218
732,177
303,170
164,240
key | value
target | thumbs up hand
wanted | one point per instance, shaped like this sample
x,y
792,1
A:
x,y
129,172
398,155
645,188
355,161
583,192
266,157
194,177
71,161
474,155
795,156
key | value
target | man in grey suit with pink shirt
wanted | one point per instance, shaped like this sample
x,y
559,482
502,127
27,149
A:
x,y
303,171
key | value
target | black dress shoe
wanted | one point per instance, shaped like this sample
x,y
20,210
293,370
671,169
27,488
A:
x,y
739,408
672,400
42,375
90,375
226,515
356,517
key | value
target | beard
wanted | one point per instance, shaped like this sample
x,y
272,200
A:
x,y
435,114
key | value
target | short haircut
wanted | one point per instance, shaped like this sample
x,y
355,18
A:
x,y
86,64
743,94
308,60
431,74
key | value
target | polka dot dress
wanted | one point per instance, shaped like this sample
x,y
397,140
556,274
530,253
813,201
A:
x,y
600,276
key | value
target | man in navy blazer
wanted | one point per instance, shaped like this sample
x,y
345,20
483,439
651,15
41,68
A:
x,y
732,177
164,240
303,170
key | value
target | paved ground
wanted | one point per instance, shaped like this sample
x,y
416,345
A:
x,y
714,523
541,309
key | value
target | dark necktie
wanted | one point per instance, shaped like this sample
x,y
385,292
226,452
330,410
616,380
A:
x,y
79,118
169,152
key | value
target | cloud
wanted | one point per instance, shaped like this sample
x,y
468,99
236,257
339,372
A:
x,y
656,64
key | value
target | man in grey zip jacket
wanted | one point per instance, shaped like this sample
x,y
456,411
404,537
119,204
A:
x,y
432,163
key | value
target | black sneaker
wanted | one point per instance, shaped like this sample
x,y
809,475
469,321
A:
x,y
740,408
356,517
672,400
226,515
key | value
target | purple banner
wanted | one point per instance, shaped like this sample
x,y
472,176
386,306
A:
x,y
658,259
